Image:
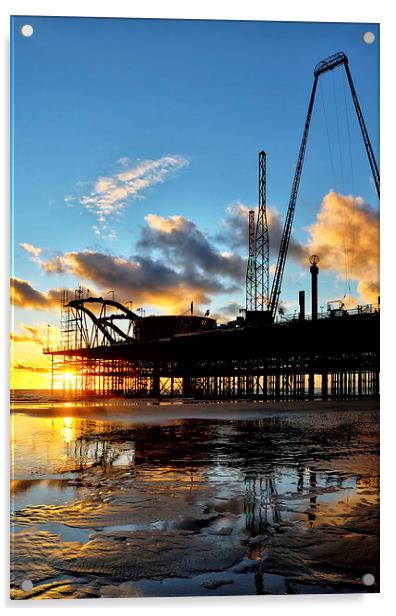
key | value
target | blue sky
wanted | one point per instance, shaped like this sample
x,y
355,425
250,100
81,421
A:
x,y
208,94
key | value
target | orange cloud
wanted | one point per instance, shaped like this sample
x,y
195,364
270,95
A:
x,y
31,335
32,368
190,267
165,225
345,235
24,295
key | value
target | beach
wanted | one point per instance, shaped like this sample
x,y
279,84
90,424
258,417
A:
x,y
139,498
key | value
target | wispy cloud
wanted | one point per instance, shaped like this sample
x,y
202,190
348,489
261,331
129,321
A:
x,y
31,368
30,334
112,193
32,250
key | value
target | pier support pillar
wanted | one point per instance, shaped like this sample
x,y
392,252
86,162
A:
x,y
375,392
277,384
325,390
311,386
265,387
156,380
186,386
359,385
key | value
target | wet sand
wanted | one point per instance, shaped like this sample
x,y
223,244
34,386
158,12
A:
x,y
122,498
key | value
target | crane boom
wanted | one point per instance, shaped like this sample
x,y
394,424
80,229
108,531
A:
x,y
324,66
284,245
366,139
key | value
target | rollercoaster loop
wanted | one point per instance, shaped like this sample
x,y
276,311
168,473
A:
x,y
104,323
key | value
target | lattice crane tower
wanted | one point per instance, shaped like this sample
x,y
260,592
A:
x,y
251,268
262,241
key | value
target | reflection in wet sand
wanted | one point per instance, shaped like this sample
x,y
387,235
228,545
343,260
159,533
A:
x,y
284,503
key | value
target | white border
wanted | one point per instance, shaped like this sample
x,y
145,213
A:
x,y
287,10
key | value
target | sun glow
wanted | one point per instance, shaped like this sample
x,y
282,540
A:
x,y
69,377
65,380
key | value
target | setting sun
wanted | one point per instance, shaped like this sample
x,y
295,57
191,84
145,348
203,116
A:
x,y
69,377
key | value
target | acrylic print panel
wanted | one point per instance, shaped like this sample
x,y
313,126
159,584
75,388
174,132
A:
x,y
195,305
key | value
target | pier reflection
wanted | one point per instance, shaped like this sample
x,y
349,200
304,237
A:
x,y
251,488
262,508
101,451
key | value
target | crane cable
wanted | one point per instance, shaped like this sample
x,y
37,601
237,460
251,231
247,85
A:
x,y
344,239
342,186
328,136
353,229
349,139
338,179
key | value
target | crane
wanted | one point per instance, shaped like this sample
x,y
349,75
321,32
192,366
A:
x,y
329,64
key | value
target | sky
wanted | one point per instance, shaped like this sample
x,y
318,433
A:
x,y
134,165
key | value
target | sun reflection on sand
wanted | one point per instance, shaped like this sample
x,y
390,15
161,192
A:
x,y
68,431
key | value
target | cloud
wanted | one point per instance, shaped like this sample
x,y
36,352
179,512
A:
x,y
55,265
24,295
234,230
296,250
141,278
176,263
228,312
124,161
345,235
28,365
32,250
31,368
234,227
185,246
112,193
30,334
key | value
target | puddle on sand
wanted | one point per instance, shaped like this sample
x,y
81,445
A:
x,y
286,503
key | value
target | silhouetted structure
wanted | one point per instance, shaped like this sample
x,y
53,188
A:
x,y
314,259
336,356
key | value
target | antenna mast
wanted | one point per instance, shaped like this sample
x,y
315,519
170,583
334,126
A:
x,y
262,240
251,268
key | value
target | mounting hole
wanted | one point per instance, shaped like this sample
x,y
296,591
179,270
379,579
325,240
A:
x,y
368,579
27,585
27,30
368,38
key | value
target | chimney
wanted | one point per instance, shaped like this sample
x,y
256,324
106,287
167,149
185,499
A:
x,y
314,259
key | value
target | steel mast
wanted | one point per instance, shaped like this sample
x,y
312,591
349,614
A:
x,y
262,241
251,268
